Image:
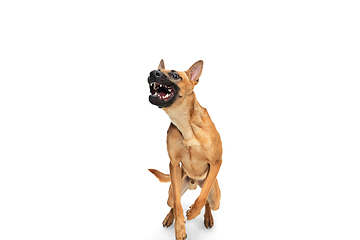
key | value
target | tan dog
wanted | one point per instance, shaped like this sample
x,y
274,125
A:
x,y
192,140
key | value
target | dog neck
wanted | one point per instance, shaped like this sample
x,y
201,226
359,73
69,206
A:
x,y
185,115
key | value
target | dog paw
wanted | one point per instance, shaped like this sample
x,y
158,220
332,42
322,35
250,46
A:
x,y
169,219
208,220
180,232
181,236
193,212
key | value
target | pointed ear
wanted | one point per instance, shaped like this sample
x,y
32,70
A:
x,y
194,71
161,65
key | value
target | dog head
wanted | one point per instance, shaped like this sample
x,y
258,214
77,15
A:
x,y
168,86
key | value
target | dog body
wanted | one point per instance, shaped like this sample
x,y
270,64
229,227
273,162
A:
x,y
193,144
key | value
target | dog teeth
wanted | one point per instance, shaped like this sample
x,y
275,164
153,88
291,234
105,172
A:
x,y
165,89
154,86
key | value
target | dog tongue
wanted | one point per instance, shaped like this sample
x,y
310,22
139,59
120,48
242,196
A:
x,y
161,94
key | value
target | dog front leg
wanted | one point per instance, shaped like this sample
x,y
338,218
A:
x,y
199,203
175,176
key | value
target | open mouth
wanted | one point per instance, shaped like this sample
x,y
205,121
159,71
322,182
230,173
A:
x,y
163,92
162,95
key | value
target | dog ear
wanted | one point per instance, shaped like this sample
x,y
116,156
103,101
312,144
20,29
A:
x,y
161,65
194,71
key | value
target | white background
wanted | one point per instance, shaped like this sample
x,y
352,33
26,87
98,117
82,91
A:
x,y
77,133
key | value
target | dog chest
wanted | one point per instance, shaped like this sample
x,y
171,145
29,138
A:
x,y
195,164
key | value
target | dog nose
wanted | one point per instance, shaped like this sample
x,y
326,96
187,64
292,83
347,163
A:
x,y
155,74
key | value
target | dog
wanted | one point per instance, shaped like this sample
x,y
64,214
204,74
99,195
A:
x,y
193,144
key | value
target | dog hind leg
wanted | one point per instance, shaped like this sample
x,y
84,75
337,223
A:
x,y
214,196
212,203
208,218
169,219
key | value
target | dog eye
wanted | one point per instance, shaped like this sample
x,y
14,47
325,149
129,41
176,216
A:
x,y
175,76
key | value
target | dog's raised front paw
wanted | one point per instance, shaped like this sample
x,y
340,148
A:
x,y
193,212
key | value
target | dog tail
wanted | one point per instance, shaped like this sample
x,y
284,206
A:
x,y
161,176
